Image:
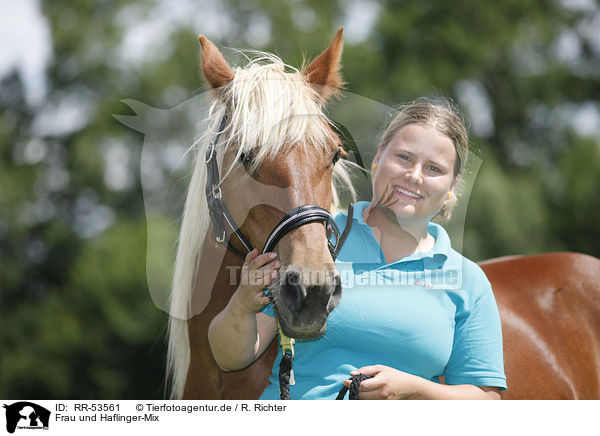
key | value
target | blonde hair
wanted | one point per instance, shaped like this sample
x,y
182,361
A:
x,y
443,116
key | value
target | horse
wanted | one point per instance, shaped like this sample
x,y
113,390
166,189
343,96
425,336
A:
x,y
549,308
277,152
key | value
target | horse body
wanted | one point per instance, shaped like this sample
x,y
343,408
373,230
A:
x,y
550,312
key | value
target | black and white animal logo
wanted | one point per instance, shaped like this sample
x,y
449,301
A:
x,y
26,415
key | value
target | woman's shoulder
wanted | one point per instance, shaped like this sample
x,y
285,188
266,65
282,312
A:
x,y
474,280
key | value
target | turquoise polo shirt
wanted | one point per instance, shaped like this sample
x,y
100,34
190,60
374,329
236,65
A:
x,y
429,314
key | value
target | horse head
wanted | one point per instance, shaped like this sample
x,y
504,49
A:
x,y
277,153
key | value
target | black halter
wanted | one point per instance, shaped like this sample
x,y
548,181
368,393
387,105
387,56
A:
x,y
221,218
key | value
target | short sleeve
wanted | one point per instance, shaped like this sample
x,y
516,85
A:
x,y
477,357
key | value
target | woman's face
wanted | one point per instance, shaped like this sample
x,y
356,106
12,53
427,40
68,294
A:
x,y
414,173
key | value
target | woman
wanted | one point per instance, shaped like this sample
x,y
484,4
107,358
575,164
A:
x,y
413,309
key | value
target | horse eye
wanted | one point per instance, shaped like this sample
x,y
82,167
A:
x,y
336,157
246,158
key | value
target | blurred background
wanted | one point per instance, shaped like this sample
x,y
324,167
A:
x,y
76,317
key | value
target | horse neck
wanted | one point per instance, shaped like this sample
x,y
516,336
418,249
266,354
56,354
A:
x,y
213,287
217,279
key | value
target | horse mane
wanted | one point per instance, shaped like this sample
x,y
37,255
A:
x,y
271,105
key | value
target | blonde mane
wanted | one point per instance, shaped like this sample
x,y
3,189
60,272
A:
x,y
271,105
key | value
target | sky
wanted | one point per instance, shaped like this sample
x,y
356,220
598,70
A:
x,y
25,44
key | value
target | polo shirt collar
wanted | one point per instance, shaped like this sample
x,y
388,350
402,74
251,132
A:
x,y
432,259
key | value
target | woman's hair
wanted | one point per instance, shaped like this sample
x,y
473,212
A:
x,y
443,116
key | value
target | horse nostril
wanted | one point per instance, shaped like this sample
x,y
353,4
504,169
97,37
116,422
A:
x,y
292,292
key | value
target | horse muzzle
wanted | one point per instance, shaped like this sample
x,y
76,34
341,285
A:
x,y
304,300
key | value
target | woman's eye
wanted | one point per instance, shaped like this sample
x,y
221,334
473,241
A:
x,y
336,157
404,157
435,169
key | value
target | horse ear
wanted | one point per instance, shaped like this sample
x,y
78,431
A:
x,y
324,71
216,69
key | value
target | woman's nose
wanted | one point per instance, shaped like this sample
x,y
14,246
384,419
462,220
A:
x,y
415,174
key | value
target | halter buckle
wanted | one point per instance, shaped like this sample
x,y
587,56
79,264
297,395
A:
x,y
217,194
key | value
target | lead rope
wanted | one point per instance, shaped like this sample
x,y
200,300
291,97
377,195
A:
x,y
354,385
286,373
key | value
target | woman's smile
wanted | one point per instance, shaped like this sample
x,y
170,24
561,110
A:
x,y
406,193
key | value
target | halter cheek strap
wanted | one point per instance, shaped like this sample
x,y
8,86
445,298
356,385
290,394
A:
x,y
219,215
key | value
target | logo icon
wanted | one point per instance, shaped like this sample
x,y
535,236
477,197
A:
x,y
26,415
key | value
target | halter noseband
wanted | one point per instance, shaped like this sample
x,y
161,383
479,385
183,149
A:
x,y
221,218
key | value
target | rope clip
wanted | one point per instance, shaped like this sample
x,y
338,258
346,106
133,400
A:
x,y
286,344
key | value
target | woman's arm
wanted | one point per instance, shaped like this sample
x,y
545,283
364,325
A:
x,y
238,335
390,384
429,390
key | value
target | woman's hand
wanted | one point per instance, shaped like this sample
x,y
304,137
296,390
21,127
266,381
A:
x,y
390,384
258,271
387,383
